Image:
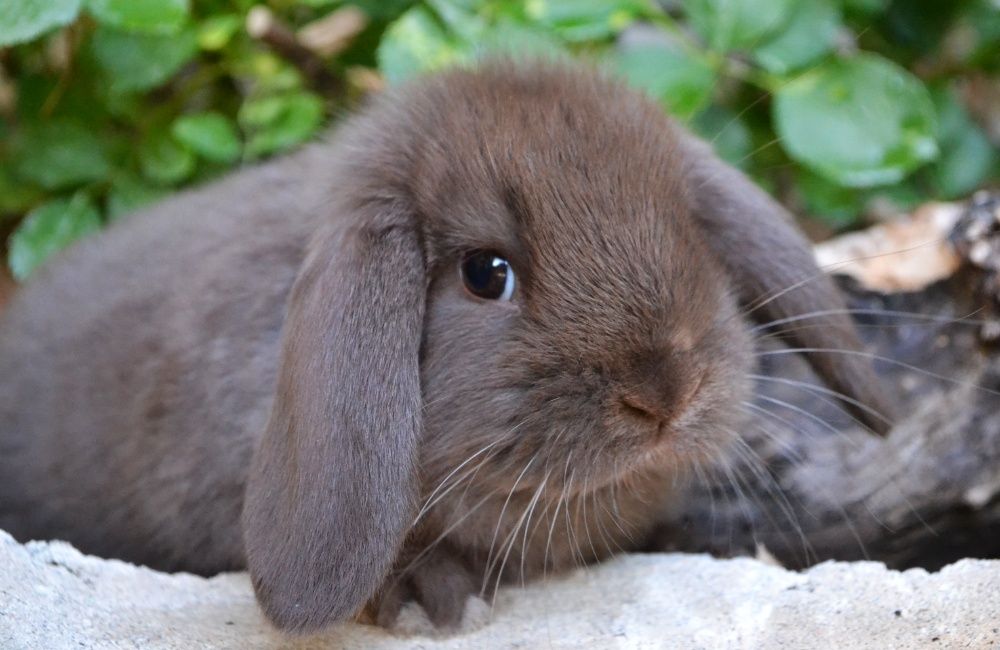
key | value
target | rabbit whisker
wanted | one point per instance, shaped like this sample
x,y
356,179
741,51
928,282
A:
x,y
818,420
496,532
811,554
527,524
700,477
785,446
742,502
812,388
825,269
431,501
758,467
555,517
582,504
947,320
440,538
748,156
878,357
571,535
511,540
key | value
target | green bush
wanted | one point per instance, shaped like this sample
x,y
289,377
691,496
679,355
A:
x,y
110,104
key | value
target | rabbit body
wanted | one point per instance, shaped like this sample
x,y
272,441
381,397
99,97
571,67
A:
x,y
283,371
138,373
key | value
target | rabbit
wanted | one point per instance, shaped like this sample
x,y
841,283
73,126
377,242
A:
x,y
474,336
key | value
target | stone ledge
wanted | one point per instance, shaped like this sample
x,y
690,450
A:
x,y
52,596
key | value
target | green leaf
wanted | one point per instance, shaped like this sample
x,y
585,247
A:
x,y
215,32
153,16
211,135
585,20
859,122
129,193
415,43
378,9
267,74
510,39
984,19
867,7
901,197
278,123
24,20
61,153
135,62
967,157
461,18
833,204
164,160
737,24
920,25
808,35
16,196
50,228
679,81
727,133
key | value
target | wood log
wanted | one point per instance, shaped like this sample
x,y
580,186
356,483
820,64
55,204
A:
x,y
810,484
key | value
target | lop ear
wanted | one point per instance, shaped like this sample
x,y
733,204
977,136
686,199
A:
x,y
332,490
777,277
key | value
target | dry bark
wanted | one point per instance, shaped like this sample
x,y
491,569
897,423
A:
x,y
820,487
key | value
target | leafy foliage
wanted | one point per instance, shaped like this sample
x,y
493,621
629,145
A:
x,y
106,105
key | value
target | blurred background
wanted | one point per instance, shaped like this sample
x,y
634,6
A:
x,y
850,111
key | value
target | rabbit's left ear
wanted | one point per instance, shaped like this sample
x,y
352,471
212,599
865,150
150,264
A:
x,y
333,486
776,277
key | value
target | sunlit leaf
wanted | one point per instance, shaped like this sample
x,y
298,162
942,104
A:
x,y
461,18
140,61
165,160
156,16
514,40
416,43
583,20
808,35
859,122
211,135
23,20
679,81
214,33
277,123
737,24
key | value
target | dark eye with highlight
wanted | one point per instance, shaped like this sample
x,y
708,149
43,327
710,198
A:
x,y
487,275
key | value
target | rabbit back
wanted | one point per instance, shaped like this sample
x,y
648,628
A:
x,y
137,371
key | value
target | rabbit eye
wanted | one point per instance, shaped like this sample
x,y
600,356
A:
x,y
487,275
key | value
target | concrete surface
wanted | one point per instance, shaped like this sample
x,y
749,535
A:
x,y
53,597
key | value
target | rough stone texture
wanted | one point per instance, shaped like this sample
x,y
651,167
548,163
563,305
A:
x,y
53,597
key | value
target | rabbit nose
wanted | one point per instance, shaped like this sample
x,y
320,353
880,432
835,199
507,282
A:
x,y
647,407
660,401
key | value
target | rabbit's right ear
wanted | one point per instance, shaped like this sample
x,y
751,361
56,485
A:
x,y
778,281
332,490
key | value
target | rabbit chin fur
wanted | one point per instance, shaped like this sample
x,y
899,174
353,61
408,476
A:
x,y
280,369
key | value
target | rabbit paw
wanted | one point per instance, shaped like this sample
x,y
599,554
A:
x,y
438,597
413,619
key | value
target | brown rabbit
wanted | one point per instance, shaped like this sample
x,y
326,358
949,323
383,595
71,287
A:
x,y
474,337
